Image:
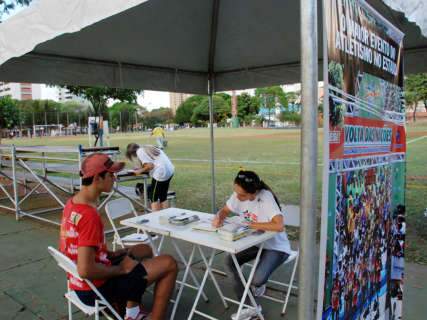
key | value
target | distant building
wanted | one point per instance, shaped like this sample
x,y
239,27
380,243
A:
x,y
175,100
20,91
64,95
37,91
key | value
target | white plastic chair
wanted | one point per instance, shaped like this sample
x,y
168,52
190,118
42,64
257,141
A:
x,y
119,208
291,219
101,304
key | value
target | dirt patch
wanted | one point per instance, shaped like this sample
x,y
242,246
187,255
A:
x,y
416,178
416,134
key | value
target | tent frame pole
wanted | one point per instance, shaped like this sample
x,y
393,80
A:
x,y
308,173
211,90
211,134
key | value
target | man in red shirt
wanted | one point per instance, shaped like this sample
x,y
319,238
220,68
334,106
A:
x,y
120,276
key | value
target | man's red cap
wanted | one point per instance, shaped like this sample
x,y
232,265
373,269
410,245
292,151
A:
x,y
97,163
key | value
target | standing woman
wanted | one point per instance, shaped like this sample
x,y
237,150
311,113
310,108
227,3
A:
x,y
161,169
254,201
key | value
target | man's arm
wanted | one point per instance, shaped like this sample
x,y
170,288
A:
x,y
88,268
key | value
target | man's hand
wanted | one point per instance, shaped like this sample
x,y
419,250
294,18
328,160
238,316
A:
x,y
127,265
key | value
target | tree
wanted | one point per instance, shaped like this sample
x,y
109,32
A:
x,y
98,96
222,110
416,90
247,105
9,115
39,112
411,101
276,92
293,97
269,97
290,117
157,116
123,115
7,6
185,109
74,112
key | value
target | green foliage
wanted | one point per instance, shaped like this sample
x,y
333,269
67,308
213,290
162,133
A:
x,y
269,96
39,112
293,97
9,115
290,117
157,116
416,89
74,106
250,118
185,109
247,105
123,115
225,96
222,111
98,96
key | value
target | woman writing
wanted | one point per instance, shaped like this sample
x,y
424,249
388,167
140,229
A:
x,y
161,169
254,201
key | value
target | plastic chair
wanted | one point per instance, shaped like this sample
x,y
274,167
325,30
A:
x,y
291,219
119,208
101,304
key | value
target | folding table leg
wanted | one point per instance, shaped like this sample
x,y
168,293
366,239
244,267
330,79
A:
x,y
181,257
202,285
247,284
184,279
156,250
209,270
162,239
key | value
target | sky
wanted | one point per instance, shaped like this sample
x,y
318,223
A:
x,y
154,99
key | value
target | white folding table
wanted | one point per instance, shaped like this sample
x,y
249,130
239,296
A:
x,y
205,239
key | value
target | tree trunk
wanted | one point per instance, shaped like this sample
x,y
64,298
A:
x,y
414,115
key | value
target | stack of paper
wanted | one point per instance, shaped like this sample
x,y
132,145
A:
x,y
205,226
232,232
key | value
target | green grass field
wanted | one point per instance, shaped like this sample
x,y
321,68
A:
x,y
275,156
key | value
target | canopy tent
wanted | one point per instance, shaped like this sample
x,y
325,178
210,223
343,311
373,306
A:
x,y
190,46
166,45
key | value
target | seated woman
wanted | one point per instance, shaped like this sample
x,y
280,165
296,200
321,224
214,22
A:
x,y
253,200
161,169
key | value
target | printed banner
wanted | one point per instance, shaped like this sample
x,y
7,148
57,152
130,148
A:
x,y
364,205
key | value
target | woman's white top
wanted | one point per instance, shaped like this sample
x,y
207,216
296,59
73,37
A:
x,y
163,167
262,209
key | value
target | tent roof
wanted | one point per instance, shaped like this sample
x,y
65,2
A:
x,y
168,45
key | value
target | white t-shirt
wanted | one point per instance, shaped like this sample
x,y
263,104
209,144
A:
x,y
163,167
262,209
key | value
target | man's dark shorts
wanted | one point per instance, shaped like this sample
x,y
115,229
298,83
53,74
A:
x,y
128,287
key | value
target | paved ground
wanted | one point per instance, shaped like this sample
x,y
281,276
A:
x,y
31,285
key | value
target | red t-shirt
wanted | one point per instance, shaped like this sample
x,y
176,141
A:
x,y
81,226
